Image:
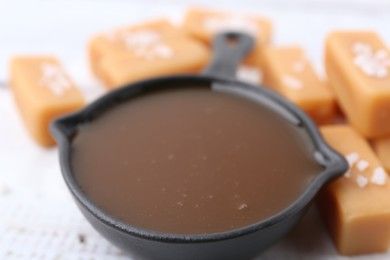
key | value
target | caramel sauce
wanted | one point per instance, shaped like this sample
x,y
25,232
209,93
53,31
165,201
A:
x,y
192,161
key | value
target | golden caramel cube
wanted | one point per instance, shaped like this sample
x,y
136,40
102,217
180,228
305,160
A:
x,y
115,41
358,68
288,72
145,50
42,91
203,24
184,56
356,207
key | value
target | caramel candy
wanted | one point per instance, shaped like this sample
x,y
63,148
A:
x,y
115,41
203,24
356,207
357,64
382,149
42,91
142,51
287,71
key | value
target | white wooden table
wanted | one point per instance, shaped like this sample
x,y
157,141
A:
x,y
38,219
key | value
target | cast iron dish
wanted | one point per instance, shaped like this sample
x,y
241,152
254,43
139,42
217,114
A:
x,y
243,243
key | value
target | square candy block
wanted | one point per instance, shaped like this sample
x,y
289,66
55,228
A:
x,y
356,207
42,91
358,68
289,72
117,40
203,24
142,51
